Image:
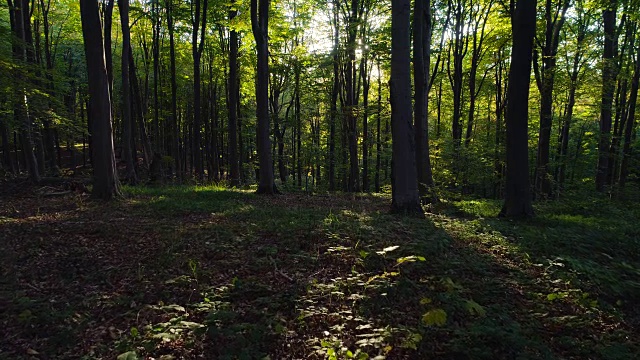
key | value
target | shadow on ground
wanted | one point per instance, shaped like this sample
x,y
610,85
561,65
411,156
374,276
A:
x,y
210,273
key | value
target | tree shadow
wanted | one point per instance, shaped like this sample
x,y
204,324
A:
x,y
202,272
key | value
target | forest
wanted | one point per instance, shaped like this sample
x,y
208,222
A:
x,y
307,179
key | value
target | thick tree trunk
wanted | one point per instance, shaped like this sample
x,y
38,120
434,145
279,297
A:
x,y
7,163
260,26
404,184
106,185
517,188
609,74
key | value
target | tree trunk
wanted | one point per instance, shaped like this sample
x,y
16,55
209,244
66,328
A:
x,y
378,132
545,85
609,74
404,185
366,81
20,16
234,165
517,188
106,185
127,125
137,100
174,93
630,123
196,49
334,101
350,83
421,53
107,12
260,26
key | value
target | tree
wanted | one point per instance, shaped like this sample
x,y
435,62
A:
x,y
554,20
609,73
421,53
198,18
105,177
517,201
404,188
260,27
127,123
234,165
22,53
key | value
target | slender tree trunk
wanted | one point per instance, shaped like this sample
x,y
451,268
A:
x,y
174,93
106,185
378,132
350,83
107,13
156,76
334,101
421,53
234,165
545,81
298,124
404,184
517,191
197,49
366,81
127,124
137,101
19,15
630,124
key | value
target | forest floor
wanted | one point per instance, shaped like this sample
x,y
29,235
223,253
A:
x,y
209,273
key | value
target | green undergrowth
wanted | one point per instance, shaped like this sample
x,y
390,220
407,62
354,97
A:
x,y
206,272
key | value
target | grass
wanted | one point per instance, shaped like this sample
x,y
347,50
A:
x,y
194,272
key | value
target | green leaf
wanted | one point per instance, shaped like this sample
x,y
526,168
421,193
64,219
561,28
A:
x,y
475,309
437,317
129,355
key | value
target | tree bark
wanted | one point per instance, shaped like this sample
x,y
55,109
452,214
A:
x,y
196,49
127,125
106,185
517,188
609,74
421,53
545,85
404,185
234,165
260,26
174,93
